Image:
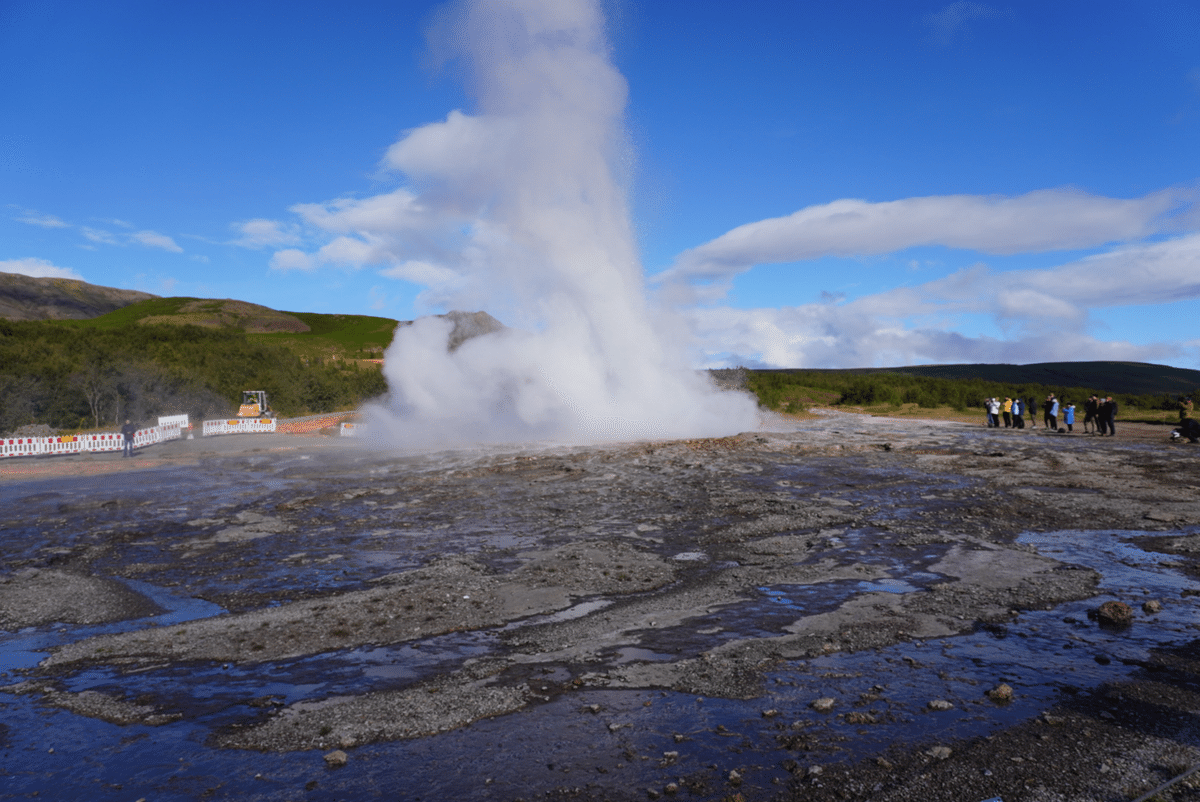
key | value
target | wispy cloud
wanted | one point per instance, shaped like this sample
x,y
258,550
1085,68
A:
x,y
954,20
43,220
1046,220
38,268
152,239
98,235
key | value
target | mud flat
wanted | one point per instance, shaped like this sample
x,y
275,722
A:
x,y
847,608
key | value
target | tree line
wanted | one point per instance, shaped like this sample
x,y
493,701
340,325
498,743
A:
x,y
71,376
792,389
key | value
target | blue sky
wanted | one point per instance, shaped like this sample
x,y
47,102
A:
x,y
811,184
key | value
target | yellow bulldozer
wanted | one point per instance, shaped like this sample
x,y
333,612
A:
x,y
254,405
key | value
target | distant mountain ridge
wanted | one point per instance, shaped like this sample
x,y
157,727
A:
x,y
31,298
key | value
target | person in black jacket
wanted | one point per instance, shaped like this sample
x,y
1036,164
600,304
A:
x,y
1091,409
1108,416
128,430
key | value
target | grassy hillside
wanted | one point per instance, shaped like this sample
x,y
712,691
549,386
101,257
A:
x,y
81,374
313,337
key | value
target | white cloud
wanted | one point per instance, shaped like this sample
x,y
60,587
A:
x,y
261,233
1045,220
1144,273
152,239
43,220
424,273
909,325
352,252
292,259
38,268
826,336
393,212
1037,309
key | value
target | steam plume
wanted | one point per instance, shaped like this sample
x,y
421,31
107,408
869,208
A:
x,y
543,238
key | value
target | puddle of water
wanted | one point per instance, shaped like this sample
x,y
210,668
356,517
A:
x,y
218,693
888,585
27,648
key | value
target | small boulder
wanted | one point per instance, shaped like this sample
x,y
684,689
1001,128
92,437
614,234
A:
x,y
941,704
336,759
823,705
939,752
1151,607
1115,614
1002,694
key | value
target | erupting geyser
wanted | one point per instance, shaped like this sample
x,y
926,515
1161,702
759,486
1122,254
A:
x,y
523,214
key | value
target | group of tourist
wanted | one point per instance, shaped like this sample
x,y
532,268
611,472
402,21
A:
x,y
1099,414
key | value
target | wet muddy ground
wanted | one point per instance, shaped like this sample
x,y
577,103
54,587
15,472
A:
x,y
847,608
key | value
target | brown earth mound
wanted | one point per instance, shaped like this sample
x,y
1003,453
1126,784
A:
x,y
251,318
30,298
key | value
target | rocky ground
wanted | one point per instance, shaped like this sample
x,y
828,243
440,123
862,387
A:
x,y
880,610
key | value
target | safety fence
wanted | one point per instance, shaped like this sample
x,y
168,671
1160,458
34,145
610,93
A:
x,y
237,426
86,443
349,430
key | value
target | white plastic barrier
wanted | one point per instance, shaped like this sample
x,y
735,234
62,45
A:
x,y
238,426
85,443
21,446
173,421
349,430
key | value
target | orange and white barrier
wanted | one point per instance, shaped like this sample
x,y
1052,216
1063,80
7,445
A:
x,y
84,443
238,426
349,430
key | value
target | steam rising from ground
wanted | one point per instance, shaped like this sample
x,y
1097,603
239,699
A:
x,y
540,234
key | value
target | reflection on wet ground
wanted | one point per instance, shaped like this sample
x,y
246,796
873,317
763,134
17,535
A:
x,y
257,534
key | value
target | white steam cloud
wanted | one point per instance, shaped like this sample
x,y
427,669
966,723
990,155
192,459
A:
x,y
519,208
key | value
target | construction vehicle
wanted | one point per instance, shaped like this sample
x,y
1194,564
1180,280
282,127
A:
x,y
254,405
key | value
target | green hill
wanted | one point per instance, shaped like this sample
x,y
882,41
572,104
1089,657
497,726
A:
x,y
195,355
312,336
168,358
